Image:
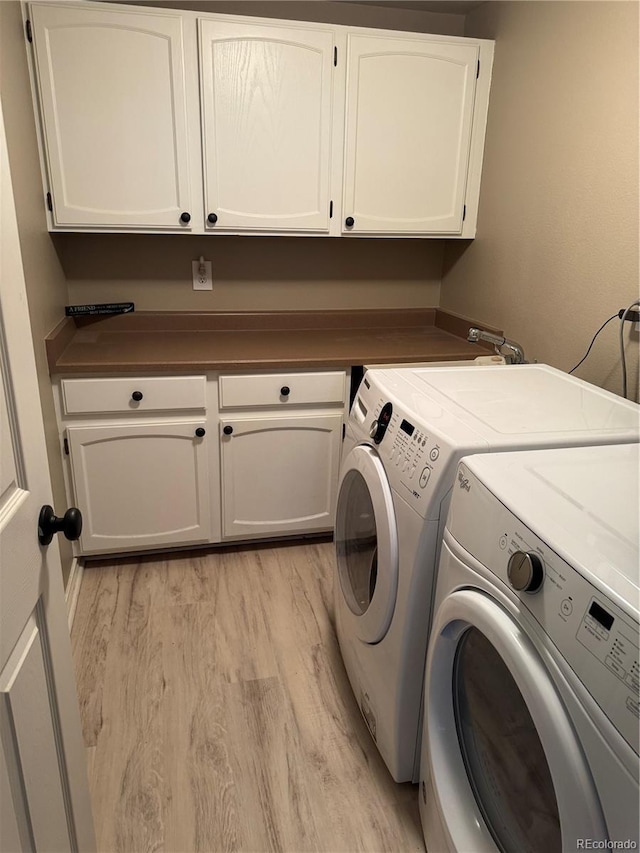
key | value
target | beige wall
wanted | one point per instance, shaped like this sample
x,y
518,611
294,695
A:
x,y
251,273
557,247
45,280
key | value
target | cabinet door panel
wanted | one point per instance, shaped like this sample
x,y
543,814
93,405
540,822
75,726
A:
x,y
279,475
112,90
266,106
140,486
409,117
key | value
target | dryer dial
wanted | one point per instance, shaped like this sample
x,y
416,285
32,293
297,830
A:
x,y
525,571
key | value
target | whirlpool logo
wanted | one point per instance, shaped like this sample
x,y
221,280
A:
x,y
463,482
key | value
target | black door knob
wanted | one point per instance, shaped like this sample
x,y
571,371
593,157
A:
x,y
227,430
200,432
48,523
137,396
212,218
349,221
185,217
285,390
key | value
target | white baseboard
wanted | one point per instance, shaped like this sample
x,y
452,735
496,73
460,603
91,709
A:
x,y
73,589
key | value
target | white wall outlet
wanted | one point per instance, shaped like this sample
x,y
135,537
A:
x,y
202,276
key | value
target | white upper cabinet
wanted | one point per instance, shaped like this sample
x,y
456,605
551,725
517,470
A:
x,y
267,108
409,117
177,120
114,108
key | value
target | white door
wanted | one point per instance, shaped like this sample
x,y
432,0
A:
x,y
141,485
366,544
44,797
408,132
112,87
279,474
266,106
505,770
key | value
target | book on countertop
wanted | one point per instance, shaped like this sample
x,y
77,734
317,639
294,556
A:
x,y
104,308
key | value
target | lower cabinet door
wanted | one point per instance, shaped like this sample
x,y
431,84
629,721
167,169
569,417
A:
x,y
141,485
279,475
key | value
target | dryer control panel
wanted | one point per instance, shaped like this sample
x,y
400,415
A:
x,y
596,637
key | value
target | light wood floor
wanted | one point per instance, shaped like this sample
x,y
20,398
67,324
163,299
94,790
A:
x,y
217,713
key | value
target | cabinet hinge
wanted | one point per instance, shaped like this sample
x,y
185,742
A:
x,y
478,70
335,55
330,210
344,431
66,446
49,202
464,212
27,27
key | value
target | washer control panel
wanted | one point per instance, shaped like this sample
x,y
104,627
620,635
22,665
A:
x,y
597,638
416,460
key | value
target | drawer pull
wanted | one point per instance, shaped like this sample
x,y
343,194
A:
x,y
349,222
285,390
185,217
212,218
227,430
137,396
200,432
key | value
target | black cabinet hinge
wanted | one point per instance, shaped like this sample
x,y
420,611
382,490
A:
x,y
464,212
478,70
29,31
66,446
344,431
49,202
330,210
335,55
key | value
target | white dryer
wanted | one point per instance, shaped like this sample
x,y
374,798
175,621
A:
x,y
532,678
406,432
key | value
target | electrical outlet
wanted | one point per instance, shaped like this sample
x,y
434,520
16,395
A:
x,y
202,276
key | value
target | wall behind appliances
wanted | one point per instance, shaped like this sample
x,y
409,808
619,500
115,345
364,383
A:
x,y
557,247
45,280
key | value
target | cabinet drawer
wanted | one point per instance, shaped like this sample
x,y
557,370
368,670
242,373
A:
x,y
277,389
122,394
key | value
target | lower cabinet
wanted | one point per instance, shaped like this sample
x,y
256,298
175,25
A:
x,y
142,485
159,462
279,474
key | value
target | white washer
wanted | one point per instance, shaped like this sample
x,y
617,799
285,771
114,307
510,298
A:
x,y
532,677
395,481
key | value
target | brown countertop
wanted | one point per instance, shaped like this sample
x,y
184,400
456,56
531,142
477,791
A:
x,y
150,342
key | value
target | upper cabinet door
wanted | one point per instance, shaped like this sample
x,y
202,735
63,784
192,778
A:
x,y
112,93
408,133
266,107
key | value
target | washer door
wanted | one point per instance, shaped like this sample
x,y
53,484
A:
x,y
366,544
507,769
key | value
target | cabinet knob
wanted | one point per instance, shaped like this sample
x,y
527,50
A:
x,y
212,218
137,396
227,430
285,390
349,221
200,432
48,523
185,217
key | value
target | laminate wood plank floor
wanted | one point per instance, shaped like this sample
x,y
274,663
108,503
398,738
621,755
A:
x,y
217,713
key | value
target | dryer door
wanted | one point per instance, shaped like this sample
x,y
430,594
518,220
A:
x,y
367,544
506,771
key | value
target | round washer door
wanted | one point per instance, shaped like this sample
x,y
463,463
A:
x,y
507,770
366,544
